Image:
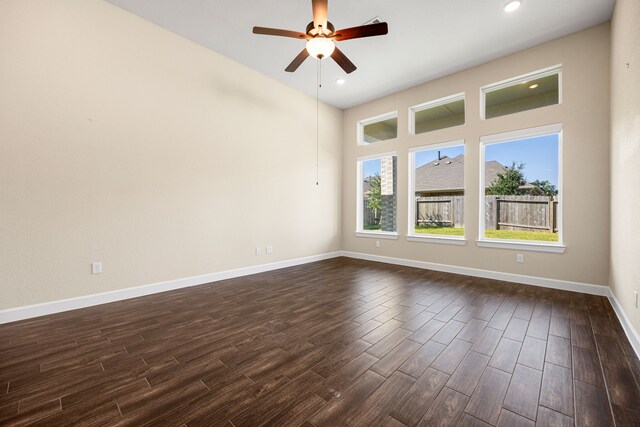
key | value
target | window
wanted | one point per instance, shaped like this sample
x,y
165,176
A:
x,y
522,93
377,194
439,114
436,191
521,186
378,128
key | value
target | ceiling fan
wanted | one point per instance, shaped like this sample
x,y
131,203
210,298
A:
x,y
321,37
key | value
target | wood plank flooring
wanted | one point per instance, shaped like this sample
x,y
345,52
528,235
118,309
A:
x,y
337,342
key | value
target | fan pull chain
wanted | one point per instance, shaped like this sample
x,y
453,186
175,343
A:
x,y
318,86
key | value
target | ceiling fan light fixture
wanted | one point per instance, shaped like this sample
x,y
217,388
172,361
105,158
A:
x,y
512,6
320,47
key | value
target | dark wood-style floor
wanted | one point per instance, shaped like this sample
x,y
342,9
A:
x,y
338,342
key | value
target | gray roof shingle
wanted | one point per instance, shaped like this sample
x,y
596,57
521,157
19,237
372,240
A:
x,y
447,174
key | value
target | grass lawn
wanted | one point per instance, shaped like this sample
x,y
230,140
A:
x,y
540,236
443,231
521,235
372,227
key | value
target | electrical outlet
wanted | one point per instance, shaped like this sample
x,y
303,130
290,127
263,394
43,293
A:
x,y
377,243
519,257
269,250
635,298
96,267
258,251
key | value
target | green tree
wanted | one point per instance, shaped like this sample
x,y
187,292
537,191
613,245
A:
x,y
508,182
375,194
548,188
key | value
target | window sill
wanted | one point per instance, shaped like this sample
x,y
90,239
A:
x,y
377,235
523,246
448,240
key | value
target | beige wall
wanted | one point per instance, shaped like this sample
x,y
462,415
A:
x,y
625,155
585,115
123,143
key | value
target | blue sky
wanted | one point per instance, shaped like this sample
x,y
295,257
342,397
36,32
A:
x,y
371,167
539,155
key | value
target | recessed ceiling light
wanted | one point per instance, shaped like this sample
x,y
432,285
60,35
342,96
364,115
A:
x,y
533,86
512,5
341,81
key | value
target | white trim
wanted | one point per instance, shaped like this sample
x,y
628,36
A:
x,y
377,235
492,87
629,330
432,104
36,310
555,128
566,285
433,238
359,189
446,144
377,156
359,195
371,120
521,245
411,211
522,133
560,211
482,192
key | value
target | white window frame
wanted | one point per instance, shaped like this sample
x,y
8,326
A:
x,y
431,104
360,232
371,120
545,72
412,236
482,241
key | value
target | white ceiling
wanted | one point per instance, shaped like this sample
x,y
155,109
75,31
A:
x,y
427,38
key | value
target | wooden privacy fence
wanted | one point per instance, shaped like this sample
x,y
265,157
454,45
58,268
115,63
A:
x,y
528,213
521,213
370,217
441,211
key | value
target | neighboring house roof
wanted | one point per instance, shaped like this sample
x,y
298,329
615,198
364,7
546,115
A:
x,y
365,186
447,174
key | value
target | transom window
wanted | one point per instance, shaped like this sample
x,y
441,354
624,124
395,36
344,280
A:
x,y
533,90
379,128
439,114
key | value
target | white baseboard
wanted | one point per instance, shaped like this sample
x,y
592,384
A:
x,y
632,334
488,274
36,310
586,288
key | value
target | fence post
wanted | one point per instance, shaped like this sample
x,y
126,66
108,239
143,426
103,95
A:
x,y
551,217
497,213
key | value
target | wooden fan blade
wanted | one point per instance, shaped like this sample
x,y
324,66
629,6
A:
x,y
343,61
320,12
277,32
298,60
379,29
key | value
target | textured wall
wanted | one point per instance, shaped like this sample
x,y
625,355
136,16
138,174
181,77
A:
x,y
625,155
123,143
585,115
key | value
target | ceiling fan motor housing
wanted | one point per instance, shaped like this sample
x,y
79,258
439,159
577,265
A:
x,y
313,31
